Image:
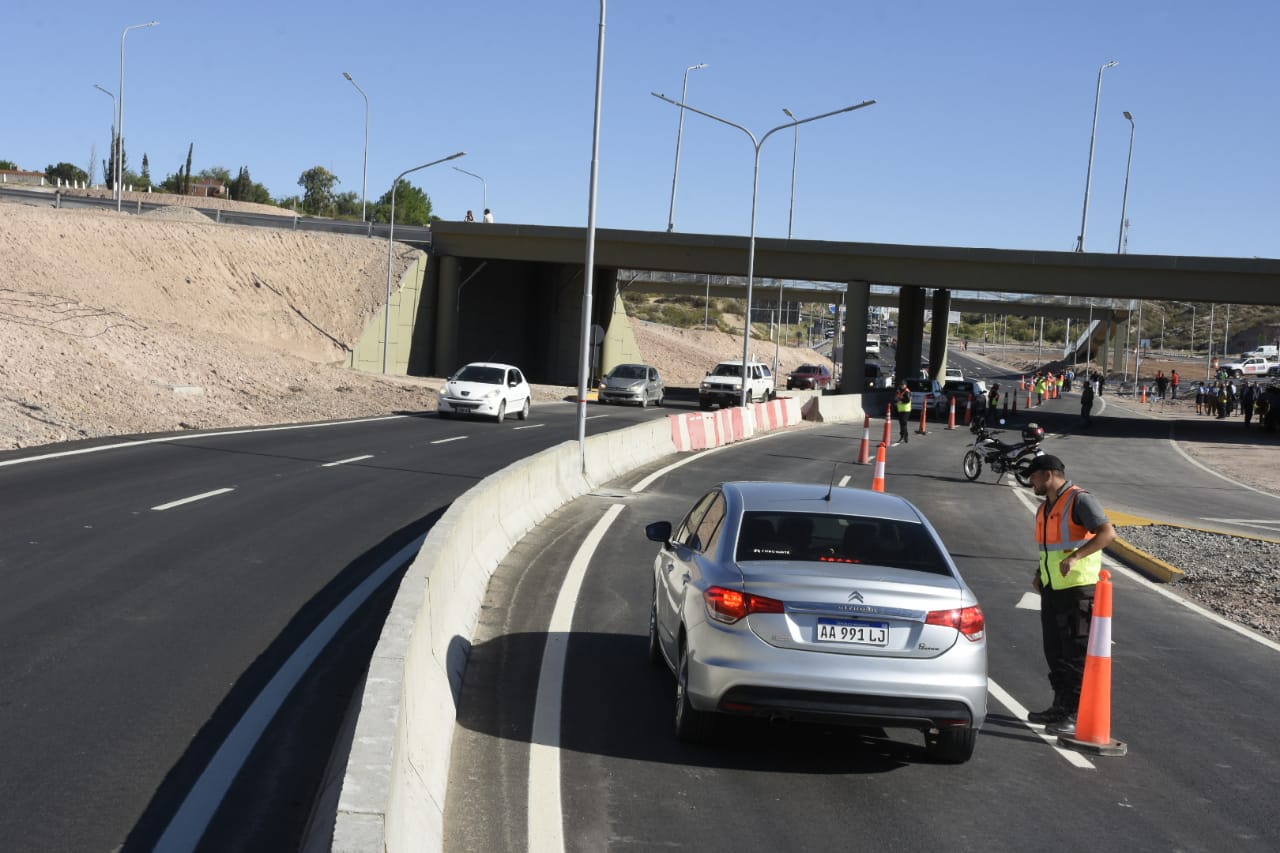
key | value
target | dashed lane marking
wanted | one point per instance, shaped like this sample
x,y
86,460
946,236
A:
x,y
447,440
192,499
347,461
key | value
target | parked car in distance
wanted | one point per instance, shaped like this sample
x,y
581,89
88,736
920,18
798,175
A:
x,y
640,384
809,377
876,377
807,603
952,373
927,394
963,389
485,388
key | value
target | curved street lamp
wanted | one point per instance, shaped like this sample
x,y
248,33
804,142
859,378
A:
x,y
484,184
755,186
120,116
364,187
1124,202
391,236
671,214
1088,175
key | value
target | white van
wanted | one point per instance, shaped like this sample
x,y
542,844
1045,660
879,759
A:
x,y
1268,351
873,346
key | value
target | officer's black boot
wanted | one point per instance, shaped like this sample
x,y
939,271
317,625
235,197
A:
x,y
1053,714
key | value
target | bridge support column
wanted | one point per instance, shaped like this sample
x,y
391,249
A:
x,y
910,332
853,362
938,334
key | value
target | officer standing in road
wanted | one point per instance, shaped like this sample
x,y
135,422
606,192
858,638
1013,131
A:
x,y
1071,531
902,405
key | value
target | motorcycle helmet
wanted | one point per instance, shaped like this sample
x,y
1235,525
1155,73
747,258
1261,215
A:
x,y
1033,432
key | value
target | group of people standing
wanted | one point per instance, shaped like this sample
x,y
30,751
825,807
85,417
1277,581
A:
x,y
1221,398
488,216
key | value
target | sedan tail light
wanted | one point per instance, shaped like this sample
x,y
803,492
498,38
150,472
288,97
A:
x,y
730,605
969,621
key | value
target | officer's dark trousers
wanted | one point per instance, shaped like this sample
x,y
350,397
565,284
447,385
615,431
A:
x,y
1064,625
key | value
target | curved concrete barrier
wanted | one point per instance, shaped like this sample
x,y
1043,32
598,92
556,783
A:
x,y
393,789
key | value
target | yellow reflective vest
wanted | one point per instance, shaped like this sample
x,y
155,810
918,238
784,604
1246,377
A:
x,y
1058,536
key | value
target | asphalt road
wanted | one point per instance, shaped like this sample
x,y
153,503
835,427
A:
x,y
1192,699
136,630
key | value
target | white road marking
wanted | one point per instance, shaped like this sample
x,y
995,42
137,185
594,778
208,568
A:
x,y
192,818
447,440
546,820
593,417
188,437
1029,601
532,426
1015,708
844,481
1272,524
346,461
191,499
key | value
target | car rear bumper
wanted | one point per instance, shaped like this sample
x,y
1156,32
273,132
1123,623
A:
x,y
731,670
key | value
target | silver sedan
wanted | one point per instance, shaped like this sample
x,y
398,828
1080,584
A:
x,y
804,602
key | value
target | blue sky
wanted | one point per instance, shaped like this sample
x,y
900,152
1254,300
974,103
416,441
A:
x,y
979,137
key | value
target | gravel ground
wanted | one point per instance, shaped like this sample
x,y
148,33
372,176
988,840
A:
x,y
1236,578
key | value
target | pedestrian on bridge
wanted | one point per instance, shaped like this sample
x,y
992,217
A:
x,y
1071,532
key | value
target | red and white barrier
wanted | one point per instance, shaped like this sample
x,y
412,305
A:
x,y
704,430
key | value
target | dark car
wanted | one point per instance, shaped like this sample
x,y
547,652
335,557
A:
x,y
809,376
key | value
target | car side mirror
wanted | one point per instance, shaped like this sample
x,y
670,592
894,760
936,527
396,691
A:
x,y
659,531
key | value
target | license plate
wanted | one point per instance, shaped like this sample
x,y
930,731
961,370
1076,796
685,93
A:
x,y
853,632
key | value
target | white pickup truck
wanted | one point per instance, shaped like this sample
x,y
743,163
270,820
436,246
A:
x,y
1256,366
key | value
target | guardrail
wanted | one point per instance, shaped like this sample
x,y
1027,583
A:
x,y
417,234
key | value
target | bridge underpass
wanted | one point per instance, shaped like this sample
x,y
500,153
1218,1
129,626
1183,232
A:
x,y
514,292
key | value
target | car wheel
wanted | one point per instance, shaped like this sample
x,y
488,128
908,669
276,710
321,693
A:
x,y
524,411
502,412
951,746
771,395
655,650
658,402
691,724
972,464
1020,472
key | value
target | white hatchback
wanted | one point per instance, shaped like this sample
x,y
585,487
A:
x,y
485,388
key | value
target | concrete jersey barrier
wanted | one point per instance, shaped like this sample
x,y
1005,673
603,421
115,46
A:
x,y
393,789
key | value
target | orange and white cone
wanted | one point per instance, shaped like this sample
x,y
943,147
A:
x,y
968,411
1028,398
1093,718
877,481
1144,395
924,418
864,450
888,426
951,415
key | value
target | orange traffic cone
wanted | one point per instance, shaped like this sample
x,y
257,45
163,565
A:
x,y
1022,382
877,481
864,450
1093,718
951,415
1144,394
888,427
968,411
1028,398
924,417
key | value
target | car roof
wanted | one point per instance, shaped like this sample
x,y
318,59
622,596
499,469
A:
x,y
818,497
490,364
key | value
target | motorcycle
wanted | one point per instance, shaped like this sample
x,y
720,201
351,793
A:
x,y
1004,458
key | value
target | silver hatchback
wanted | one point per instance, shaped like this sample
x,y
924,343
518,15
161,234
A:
x,y
632,383
802,602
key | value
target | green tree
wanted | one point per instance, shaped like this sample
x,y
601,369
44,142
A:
x,y
8,164
413,205
65,172
317,190
109,165
145,177
186,178
347,205
243,188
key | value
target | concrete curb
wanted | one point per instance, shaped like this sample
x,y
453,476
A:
x,y
1133,556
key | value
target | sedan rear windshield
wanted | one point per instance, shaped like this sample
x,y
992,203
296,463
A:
x,y
920,384
839,539
476,373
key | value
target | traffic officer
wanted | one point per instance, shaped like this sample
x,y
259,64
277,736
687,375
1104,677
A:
x,y
902,405
1071,531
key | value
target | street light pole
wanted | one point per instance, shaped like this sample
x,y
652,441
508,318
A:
x,y
795,149
364,187
1124,202
675,173
391,236
1088,175
483,184
112,96
120,116
755,186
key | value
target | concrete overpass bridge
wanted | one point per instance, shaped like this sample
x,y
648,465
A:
x,y
514,292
